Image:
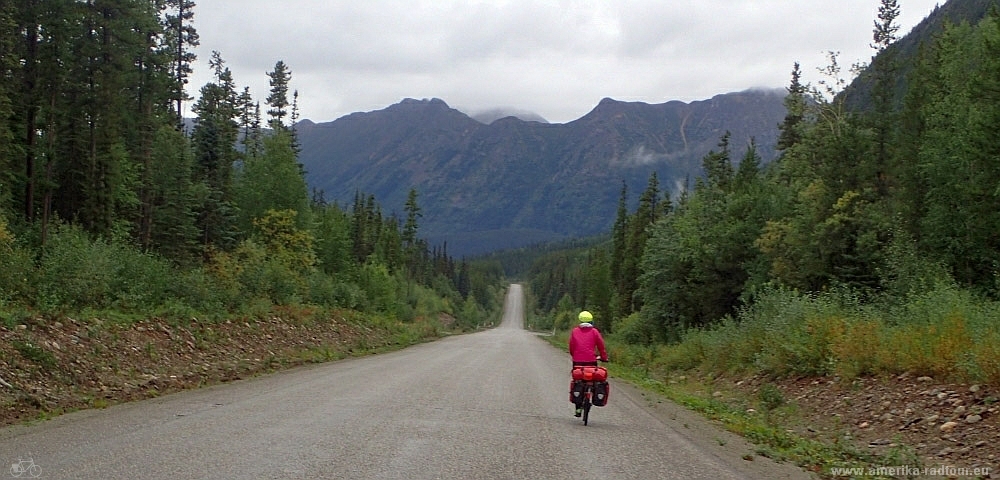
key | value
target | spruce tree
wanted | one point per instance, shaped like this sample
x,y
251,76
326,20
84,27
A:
x,y
8,66
214,142
795,110
885,70
279,81
619,251
181,36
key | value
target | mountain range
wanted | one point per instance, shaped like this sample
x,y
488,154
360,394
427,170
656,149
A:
x,y
506,178
512,182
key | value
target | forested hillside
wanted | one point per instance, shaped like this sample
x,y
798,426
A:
x,y
870,246
109,205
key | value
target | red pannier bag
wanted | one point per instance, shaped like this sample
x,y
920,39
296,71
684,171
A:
x,y
590,374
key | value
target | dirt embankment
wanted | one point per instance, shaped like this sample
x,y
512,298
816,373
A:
x,y
53,366
906,420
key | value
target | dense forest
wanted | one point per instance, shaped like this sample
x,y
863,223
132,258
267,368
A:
x,y
871,245
110,200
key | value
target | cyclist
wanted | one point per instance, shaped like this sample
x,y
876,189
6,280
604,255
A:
x,y
583,341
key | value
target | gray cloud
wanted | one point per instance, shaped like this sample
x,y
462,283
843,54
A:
x,y
555,58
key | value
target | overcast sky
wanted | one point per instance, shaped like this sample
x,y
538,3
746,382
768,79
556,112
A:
x,y
556,58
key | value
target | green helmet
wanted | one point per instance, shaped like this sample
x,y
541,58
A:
x,y
586,317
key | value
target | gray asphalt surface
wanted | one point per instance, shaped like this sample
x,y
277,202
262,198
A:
x,y
490,405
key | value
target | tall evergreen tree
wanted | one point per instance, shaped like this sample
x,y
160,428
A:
x,y
250,125
795,110
883,90
909,197
646,214
97,171
8,68
181,36
214,142
412,218
153,95
296,147
619,252
333,244
718,166
959,155
279,81
173,198
49,135
885,26
597,288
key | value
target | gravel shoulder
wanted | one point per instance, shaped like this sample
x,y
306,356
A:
x,y
711,437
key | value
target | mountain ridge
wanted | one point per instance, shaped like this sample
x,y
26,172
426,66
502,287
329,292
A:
x,y
511,182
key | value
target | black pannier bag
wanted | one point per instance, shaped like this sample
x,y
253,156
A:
x,y
575,391
601,392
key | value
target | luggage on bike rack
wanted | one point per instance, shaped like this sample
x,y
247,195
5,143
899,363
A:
x,y
590,374
584,375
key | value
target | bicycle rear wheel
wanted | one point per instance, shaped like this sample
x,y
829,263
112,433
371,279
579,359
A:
x,y
587,404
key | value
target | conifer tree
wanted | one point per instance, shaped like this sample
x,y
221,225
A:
x,y
795,110
412,217
8,67
214,142
279,81
619,251
883,89
181,37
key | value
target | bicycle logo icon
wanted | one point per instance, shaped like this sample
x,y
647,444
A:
x,y
23,467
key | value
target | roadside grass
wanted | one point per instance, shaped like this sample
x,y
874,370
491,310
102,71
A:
x,y
761,421
944,332
766,421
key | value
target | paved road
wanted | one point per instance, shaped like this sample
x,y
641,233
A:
x,y
490,405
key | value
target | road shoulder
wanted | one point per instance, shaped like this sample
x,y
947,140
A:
x,y
730,448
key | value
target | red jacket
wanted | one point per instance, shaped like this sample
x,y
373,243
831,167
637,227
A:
x,y
582,342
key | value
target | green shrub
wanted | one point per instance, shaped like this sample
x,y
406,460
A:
x,y
379,287
281,283
75,271
770,397
141,281
18,276
636,329
471,315
201,291
907,273
322,289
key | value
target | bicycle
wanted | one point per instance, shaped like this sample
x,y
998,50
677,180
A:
x,y
590,385
23,467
